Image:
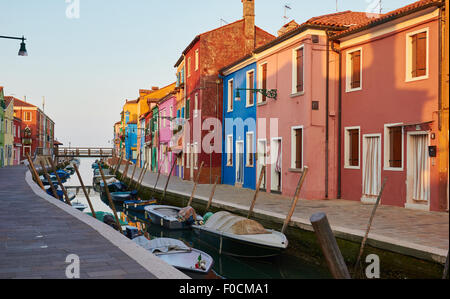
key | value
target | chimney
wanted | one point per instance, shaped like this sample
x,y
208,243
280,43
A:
x,y
249,25
288,27
155,88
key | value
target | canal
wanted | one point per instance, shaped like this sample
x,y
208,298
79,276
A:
x,y
284,266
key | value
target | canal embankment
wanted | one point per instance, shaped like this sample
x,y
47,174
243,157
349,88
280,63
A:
x,y
410,244
39,232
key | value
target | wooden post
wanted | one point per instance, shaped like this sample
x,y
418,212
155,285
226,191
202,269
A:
x,y
118,164
140,174
143,175
195,184
156,183
212,194
84,190
329,246
134,170
59,182
34,172
168,179
363,243
111,203
445,273
125,172
295,200
55,194
261,176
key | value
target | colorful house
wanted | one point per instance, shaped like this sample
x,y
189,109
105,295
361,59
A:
x,y
180,120
129,124
204,57
154,129
296,124
17,143
239,121
8,126
390,122
167,112
2,133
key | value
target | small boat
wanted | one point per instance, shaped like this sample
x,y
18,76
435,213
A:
x,y
96,180
60,193
123,196
62,174
95,165
169,216
238,236
114,187
79,206
193,262
53,179
100,215
134,205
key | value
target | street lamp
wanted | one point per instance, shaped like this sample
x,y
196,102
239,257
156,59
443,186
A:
x,y
23,49
270,93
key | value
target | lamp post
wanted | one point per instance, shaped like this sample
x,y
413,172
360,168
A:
x,y
23,49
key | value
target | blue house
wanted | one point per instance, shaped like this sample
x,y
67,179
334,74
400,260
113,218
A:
x,y
130,138
239,124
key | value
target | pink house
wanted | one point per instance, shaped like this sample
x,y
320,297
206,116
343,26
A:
x,y
390,99
299,127
167,113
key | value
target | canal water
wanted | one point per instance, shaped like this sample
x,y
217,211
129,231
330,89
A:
x,y
284,266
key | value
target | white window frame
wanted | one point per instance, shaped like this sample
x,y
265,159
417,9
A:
x,y
25,116
294,91
252,134
195,110
196,59
189,67
229,150
293,147
408,55
347,147
250,85
387,144
349,69
196,151
230,96
259,81
188,152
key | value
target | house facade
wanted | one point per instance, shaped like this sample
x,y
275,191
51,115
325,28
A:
x,y
180,116
129,123
8,131
204,57
239,121
2,134
17,142
167,115
390,102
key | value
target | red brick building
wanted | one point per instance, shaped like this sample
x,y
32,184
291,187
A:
x,y
204,57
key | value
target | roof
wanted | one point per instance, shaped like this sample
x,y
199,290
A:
x,y
8,100
395,14
162,92
19,103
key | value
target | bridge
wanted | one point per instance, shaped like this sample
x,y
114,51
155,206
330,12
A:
x,y
84,152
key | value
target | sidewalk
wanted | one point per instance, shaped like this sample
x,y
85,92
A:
x,y
38,232
416,233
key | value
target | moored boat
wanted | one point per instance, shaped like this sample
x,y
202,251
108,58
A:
x,y
137,206
193,262
169,216
238,236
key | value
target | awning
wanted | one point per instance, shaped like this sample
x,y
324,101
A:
x,y
416,124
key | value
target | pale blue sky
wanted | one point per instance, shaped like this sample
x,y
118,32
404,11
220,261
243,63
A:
x,y
87,67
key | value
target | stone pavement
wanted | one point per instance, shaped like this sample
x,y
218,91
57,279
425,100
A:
x,y
36,236
424,232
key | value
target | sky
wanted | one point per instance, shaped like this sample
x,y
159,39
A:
x,y
86,65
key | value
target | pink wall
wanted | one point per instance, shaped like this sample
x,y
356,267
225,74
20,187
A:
x,y
165,132
297,110
386,98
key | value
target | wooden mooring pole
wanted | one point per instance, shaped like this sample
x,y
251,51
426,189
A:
x,y
118,164
168,179
125,172
195,184
55,194
59,182
34,172
445,273
261,176
84,190
329,246
211,196
295,200
156,183
143,176
140,175
363,243
111,203
134,170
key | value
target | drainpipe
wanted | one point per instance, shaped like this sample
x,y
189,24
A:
x,y
223,127
339,179
327,97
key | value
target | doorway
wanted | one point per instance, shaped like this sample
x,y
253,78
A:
x,y
262,154
240,162
371,176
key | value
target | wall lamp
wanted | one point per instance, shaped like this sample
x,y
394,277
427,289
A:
x,y
270,93
23,49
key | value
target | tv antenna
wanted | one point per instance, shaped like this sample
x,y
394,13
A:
x,y
223,22
286,8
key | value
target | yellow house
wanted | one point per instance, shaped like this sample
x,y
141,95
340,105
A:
x,y
8,126
129,118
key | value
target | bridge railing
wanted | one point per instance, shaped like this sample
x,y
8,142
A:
x,y
85,152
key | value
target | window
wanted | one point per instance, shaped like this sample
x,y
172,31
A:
x,y
298,69
188,152
417,53
188,111
393,147
189,67
196,105
230,95
250,151
27,116
230,150
262,97
250,85
195,152
196,59
354,70
170,116
352,147
297,148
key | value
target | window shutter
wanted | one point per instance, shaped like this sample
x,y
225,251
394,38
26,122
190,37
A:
x,y
251,92
354,148
300,70
298,148
188,110
264,80
421,54
395,150
356,69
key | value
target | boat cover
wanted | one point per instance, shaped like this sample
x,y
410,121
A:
x,y
163,245
227,222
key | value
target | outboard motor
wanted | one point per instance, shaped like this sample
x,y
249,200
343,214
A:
x,y
132,232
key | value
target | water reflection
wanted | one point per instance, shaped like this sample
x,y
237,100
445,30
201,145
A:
x,y
284,266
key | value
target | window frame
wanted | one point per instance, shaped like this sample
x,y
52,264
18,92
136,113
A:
x,y
195,110
230,98
409,77
229,146
250,85
294,90
260,96
387,150
347,147
197,59
294,148
189,67
349,70
247,153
